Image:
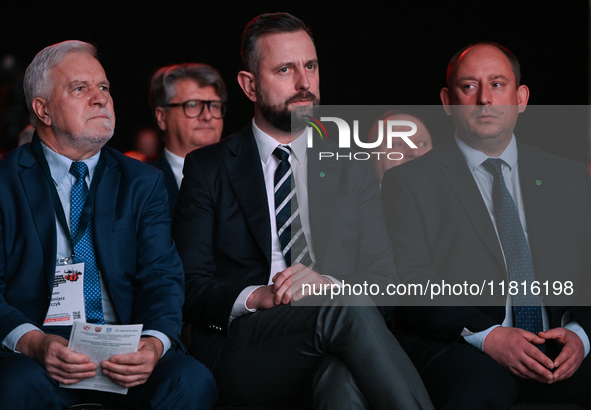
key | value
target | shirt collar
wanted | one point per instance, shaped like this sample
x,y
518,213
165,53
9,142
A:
x,y
267,145
59,166
475,158
174,159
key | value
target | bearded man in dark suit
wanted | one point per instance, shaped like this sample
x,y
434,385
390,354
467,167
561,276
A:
x,y
248,247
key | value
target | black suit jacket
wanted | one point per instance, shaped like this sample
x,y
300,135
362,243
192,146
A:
x,y
222,229
440,228
169,181
138,262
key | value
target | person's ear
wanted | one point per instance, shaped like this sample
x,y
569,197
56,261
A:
x,y
40,108
445,99
247,82
522,97
160,114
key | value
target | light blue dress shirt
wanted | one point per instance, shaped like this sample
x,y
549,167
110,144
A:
x,y
59,167
484,180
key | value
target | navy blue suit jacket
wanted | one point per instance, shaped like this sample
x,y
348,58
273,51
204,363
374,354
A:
x,y
135,254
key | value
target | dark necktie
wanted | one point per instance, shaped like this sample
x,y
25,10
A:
x,y
287,213
527,311
84,249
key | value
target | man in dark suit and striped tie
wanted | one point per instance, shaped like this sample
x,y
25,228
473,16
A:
x,y
256,218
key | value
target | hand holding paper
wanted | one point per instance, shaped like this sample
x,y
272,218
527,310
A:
x,y
52,352
133,369
104,342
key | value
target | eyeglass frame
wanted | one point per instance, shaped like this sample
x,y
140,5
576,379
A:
x,y
203,104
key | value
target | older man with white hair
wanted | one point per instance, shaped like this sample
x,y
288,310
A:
x,y
68,197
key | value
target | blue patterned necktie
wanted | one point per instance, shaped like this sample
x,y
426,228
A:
x,y
84,249
527,311
287,213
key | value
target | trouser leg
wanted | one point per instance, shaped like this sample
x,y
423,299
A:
x,y
177,382
384,373
332,386
575,389
24,384
269,355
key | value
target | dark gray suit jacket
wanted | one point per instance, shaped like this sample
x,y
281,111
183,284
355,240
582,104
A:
x,y
440,228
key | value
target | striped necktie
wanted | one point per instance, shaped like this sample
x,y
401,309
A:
x,y
287,213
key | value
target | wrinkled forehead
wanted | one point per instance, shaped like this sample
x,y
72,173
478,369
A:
x,y
76,66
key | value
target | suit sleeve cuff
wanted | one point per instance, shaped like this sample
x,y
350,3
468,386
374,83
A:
x,y
336,281
477,339
574,326
166,341
11,339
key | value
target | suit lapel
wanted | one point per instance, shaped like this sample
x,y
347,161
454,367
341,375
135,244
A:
x,y
104,207
169,180
456,172
534,193
323,178
38,197
245,174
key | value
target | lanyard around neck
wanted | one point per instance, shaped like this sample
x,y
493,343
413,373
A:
x,y
57,204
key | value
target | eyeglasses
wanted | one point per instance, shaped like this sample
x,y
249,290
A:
x,y
194,108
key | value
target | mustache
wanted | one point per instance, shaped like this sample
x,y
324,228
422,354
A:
x,y
100,111
488,111
302,96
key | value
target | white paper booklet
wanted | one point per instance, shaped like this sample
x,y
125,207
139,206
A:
x,y
100,342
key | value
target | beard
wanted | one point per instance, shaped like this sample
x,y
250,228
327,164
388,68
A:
x,y
92,138
280,116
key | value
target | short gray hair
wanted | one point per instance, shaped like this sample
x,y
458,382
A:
x,y
36,82
162,86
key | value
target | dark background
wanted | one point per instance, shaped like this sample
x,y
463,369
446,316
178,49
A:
x,y
370,53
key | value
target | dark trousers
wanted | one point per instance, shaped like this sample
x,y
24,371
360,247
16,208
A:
x,y
329,357
459,376
177,382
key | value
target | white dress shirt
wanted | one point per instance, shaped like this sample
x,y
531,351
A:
x,y
484,180
299,161
59,167
176,164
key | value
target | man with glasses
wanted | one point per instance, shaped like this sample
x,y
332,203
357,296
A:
x,y
189,105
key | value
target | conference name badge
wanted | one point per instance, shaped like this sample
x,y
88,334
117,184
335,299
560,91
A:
x,y
67,298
